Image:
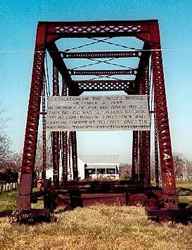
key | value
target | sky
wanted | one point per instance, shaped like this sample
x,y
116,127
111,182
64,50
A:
x,y
18,22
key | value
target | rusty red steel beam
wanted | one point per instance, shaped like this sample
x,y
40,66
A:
x,y
73,89
138,153
162,124
64,144
64,148
55,135
106,85
103,72
142,86
74,154
120,82
30,142
69,156
156,151
101,54
44,131
135,146
140,29
60,65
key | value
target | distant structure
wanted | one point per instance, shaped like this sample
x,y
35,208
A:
x,y
101,166
93,167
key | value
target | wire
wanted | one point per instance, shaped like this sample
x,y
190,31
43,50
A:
x,y
114,64
91,64
104,76
87,44
116,44
161,49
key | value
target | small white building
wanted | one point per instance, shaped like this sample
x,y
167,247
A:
x,y
93,166
101,166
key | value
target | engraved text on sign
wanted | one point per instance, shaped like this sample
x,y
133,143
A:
x,y
98,113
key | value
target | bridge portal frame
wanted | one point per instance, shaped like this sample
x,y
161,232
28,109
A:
x,y
147,31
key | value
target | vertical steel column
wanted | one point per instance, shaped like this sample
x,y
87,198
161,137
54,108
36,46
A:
x,y
162,125
74,155
30,143
73,137
69,146
44,132
141,157
134,169
55,135
146,156
144,136
156,160
64,143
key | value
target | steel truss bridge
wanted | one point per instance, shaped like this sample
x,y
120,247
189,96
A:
x,y
145,79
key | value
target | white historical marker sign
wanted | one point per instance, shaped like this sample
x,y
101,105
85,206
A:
x,y
98,113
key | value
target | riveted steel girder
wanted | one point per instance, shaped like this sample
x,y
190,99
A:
x,y
74,154
162,125
58,62
142,86
140,29
101,54
55,135
30,143
64,144
103,72
106,85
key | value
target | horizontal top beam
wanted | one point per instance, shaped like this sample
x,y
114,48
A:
x,y
106,85
103,81
57,30
103,72
101,54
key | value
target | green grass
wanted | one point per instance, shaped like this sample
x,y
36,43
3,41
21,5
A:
x,y
185,199
188,185
184,184
7,200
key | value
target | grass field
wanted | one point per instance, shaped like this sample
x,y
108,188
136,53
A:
x,y
91,228
97,227
7,201
184,184
183,198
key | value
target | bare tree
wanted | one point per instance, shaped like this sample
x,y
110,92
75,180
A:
x,y
4,140
4,148
183,167
39,157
